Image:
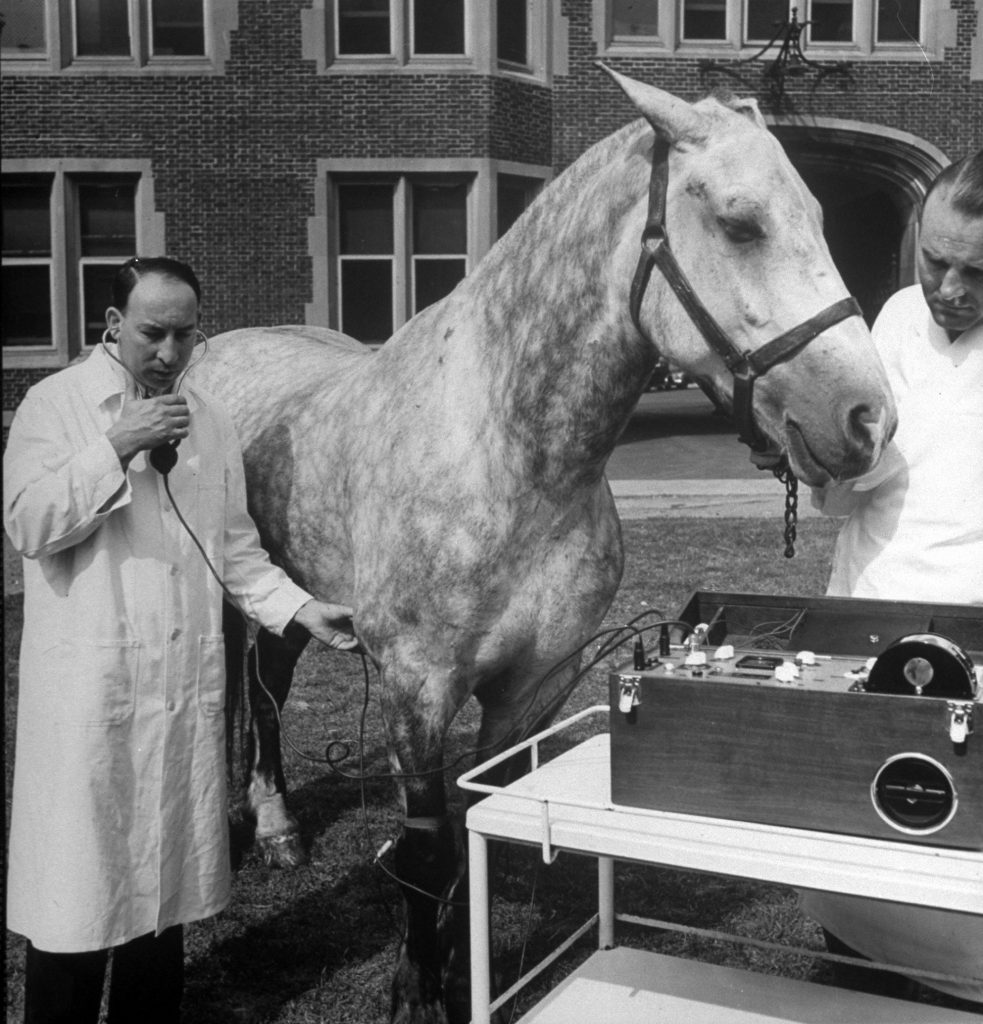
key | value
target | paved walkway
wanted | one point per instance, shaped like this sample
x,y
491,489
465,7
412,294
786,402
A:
x,y
706,499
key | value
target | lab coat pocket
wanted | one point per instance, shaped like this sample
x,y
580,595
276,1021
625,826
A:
x,y
93,683
211,674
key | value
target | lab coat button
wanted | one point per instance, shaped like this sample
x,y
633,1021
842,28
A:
x,y
175,633
174,570
170,705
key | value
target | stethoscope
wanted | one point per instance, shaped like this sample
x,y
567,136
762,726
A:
x,y
163,458
201,341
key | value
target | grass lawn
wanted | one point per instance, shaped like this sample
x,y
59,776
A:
x,y
318,944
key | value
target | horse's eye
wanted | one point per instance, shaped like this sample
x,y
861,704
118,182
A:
x,y
740,229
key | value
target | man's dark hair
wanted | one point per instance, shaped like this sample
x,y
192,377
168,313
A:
x,y
140,266
964,179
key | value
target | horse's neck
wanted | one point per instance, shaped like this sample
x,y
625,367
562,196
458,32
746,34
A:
x,y
550,308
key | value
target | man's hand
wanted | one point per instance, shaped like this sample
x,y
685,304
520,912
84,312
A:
x,y
329,623
148,422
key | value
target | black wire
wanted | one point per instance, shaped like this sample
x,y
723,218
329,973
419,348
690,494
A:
x,y
618,635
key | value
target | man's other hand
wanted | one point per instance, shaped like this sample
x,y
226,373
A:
x,y
329,623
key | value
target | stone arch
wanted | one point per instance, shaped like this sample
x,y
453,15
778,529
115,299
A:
x,y
870,180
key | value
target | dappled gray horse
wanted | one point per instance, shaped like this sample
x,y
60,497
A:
x,y
451,486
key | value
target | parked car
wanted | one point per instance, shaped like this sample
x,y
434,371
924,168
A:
x,y
666,378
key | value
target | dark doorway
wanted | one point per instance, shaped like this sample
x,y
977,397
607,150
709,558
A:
x,y
864,227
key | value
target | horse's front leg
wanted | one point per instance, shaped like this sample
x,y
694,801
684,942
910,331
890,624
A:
x,y
425,860
277,831
515,705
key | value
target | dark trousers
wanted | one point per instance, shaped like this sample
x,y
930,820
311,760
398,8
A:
x,y
146,982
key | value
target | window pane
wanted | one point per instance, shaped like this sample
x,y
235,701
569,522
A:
x,y
897,21
178,28
363,26
512,31
434,279
97,296
765,18
514,195
440,222
27,218
365,216
367,299
635,17
26,306
23,25
107,224
102,28
438,26
704,19
832,21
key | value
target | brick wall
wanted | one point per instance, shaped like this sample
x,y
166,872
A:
x,y
234,155
934,100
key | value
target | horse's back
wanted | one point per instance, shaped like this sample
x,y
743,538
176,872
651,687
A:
x,y
258,372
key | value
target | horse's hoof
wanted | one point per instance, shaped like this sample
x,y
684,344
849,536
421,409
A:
x,y
283,851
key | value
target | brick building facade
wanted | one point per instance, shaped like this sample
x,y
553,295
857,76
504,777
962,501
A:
x,y
343,163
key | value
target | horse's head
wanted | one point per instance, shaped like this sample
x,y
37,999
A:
x,y
746,235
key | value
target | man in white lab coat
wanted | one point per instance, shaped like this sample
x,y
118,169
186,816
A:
x,y
119,830
914,526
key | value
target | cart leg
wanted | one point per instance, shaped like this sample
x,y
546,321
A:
x,y
480,929
605,902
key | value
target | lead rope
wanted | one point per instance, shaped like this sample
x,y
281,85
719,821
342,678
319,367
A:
x,y
784,473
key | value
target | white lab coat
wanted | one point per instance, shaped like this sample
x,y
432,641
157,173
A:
x,y
119,821
915,533
914,530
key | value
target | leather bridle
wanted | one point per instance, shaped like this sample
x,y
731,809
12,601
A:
x,y
745,367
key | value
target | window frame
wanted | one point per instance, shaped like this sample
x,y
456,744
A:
x,y
401,42
323,228
403,257
319,34
863,46
67,306
220,19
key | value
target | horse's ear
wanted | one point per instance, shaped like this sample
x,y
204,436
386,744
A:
x,y
671,117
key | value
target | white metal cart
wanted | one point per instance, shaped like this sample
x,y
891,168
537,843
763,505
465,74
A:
x,y
564,805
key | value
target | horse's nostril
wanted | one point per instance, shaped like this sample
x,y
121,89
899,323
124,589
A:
x,y
865,425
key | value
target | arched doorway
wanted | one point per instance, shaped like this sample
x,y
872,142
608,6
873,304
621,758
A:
x,y
870,181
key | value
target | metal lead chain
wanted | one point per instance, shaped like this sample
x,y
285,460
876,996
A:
x,y
785,474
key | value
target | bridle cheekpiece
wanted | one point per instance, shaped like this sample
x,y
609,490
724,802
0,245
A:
x,y
745,366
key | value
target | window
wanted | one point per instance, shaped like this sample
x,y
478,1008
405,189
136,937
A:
x,y
513,33
23,28
515,193
764,19
632,18
831,21
840,28
122,36
111,28
64,235
177,28
402,244
898,21
27,261
106,237
400,29
704,19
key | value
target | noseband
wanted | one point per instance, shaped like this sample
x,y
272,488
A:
x,y
745,367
